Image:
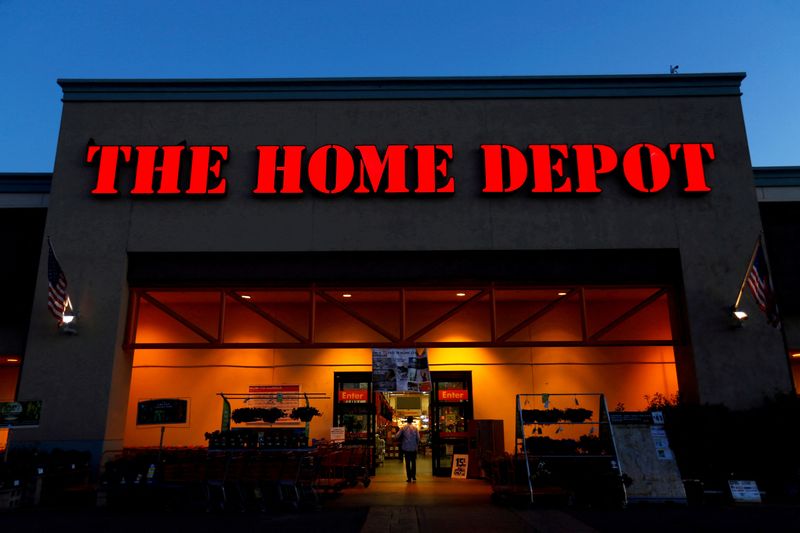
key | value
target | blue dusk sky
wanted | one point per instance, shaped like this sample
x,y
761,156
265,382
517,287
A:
x,y
43,41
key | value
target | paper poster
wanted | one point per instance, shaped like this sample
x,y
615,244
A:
x,y
460,465
337,434
661,443
400,370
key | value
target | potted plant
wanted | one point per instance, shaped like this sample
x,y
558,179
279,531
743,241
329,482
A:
x,y
272,415
541,416
304,414
254,414
577,415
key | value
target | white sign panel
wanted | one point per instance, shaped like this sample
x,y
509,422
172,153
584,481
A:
x,y
337,434
744,491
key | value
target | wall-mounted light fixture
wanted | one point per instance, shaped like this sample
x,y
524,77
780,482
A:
x,y
738,317
68,320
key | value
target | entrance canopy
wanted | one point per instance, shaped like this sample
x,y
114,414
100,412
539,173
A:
x,y
488,315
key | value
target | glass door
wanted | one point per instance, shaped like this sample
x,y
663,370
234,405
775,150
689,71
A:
x,y
354,409
451,409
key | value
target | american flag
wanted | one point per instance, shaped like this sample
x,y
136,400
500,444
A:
x,y
57,297
761,287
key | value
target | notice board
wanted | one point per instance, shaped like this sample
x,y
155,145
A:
x,y
644,456
162,412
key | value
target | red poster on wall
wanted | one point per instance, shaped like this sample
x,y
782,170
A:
x,y
285,397
453,395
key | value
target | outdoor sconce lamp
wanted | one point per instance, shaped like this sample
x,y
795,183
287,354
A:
x,y
739,317
68,326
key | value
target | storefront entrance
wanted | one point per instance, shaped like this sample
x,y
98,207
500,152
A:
x,y
451,410
371,419
358,410
484,345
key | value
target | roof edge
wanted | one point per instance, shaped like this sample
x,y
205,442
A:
x,y
603,86
25,182
777,176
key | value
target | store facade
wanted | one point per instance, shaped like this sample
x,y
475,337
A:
x,y
538,235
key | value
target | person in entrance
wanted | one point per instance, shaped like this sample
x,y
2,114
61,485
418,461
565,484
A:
x,y
408,438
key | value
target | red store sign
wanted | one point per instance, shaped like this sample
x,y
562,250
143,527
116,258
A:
x,y
453,395
354,396
400,169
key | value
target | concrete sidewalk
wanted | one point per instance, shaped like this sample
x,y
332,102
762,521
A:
x,y
435,504
407,519
431,505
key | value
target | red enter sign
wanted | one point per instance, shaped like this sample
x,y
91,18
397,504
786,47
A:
x,y
354,396
453,395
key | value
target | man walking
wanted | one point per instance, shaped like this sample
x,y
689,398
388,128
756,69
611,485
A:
x,y
409,443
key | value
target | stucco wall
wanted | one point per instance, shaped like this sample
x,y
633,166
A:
x,y
84,380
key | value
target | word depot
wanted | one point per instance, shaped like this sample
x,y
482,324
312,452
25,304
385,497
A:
x,y
401,169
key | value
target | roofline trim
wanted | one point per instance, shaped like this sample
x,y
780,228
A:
x,y
282,89
25,182
785,176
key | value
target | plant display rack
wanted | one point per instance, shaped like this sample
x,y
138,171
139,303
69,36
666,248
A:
x,y
302,398
567,440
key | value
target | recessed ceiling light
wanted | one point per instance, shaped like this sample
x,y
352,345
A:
x,y
796,355
562,293
461,294
347,295
12,359
246,296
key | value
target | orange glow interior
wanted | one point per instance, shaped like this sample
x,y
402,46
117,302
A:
x,y
624,373
9,374
794,364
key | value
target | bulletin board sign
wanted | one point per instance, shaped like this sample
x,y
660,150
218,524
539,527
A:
x,y
400,370
645,456
162,412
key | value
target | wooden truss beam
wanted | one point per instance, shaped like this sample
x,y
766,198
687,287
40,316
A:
x,y
358,316
404,340
534,317
627,314
447,316
267,316
177,316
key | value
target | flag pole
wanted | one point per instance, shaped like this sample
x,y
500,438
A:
x,y
747,272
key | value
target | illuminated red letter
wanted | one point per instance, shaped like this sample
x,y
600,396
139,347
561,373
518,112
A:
x,y
318,169
634,172
202,167
428,171
588,168
268,167
693,159
146,169
373,167
107,171
543,167
493,168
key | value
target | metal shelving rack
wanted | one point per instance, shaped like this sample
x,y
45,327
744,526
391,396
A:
x,y
605,432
